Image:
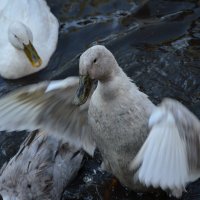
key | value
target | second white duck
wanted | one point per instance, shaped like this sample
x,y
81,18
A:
x,y
29,34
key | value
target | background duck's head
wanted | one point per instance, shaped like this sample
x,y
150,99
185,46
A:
x,y
21,37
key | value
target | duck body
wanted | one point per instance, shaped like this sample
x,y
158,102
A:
x,y
36,15
2,4
143,145
107,115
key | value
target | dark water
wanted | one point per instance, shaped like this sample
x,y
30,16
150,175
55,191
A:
x,y
157,43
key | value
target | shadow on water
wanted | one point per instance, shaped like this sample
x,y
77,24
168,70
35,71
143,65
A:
x,y
156,43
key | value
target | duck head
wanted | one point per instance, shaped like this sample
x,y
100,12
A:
x,y
21,37
96,63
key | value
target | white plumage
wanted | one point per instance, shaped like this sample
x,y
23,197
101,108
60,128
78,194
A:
x,y
33,19
168,159
163,156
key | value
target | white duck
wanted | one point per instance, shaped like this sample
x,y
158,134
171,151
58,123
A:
x,y
161,143
29,34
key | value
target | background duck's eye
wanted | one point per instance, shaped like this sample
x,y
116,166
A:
x,y
95,60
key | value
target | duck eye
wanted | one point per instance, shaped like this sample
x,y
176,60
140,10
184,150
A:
x,y
95,60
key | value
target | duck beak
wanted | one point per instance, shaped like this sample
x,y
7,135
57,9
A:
x,y
83,92
32,55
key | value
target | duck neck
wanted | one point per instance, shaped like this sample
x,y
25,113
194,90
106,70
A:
x,y
116,83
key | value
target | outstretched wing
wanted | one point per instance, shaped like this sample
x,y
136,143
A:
x,y
48,106
169,158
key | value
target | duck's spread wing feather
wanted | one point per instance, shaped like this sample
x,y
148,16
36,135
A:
x,y
48,106
169,158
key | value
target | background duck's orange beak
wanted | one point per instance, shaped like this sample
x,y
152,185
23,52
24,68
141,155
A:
x,y
32,55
